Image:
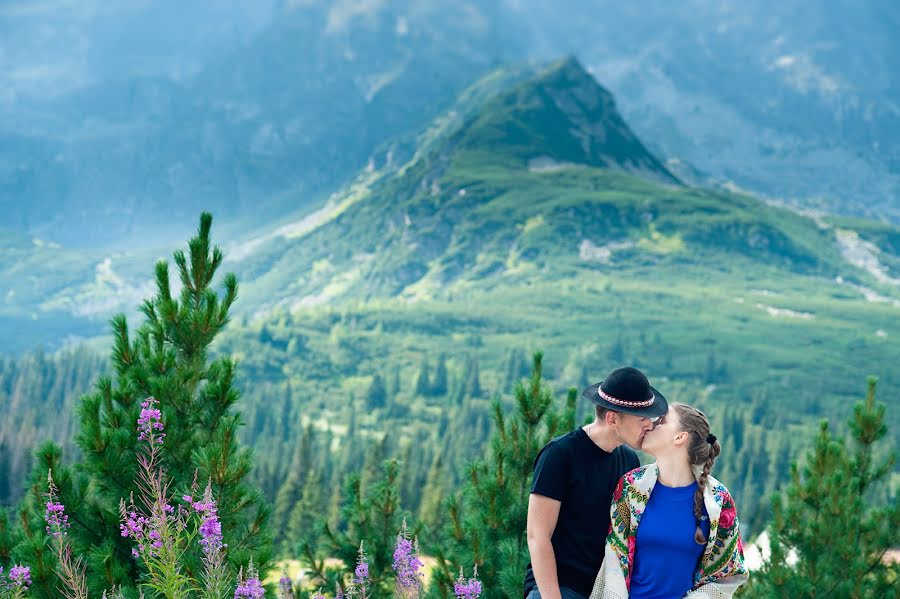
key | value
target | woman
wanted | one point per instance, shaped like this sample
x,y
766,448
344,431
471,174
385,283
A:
x,y
674,530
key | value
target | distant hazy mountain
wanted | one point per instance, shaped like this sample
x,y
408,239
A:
x,y
123,120
255,126
525,179
531,174
792,99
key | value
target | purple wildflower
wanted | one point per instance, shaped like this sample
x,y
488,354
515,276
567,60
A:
x,y
133,526
20,575
406,561
156,539
210,528
286,587
250,588
338,592
150,423
361,573
56,518
136,526
318,595
467,589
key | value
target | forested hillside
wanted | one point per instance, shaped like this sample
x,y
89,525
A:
x,y
533,219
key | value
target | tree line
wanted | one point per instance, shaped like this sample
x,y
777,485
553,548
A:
x,y
460,478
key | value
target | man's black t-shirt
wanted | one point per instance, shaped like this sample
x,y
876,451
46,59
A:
x,y
574,471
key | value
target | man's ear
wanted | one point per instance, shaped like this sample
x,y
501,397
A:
x,y
612,418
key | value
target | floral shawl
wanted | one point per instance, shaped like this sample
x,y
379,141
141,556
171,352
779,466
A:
x,y
721,569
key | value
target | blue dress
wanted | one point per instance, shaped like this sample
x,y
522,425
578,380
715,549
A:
x,y
666,554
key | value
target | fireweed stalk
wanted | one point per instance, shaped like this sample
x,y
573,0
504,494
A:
x,y
70,571
249,587
19,581
215,572
159,532
406,566
467,589
286,587
359,584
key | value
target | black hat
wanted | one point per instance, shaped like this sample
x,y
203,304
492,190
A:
x,y
627,390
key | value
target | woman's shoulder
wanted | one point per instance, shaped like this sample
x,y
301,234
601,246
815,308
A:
x,y
719,492
635,475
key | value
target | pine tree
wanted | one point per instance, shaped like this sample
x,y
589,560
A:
x,y
423,384
306,518
486,519
371,514
376,395
394,383
291,491
473,378
5,472
617,351
168,359
432,492
7,540
307,515
515,366
439,384
828,521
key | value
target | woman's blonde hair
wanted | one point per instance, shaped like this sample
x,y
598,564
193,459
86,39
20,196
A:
x,y
700,453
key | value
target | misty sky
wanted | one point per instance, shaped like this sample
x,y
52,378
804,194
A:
x,y
50,47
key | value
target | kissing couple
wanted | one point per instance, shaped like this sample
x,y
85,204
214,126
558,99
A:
x,y
601,526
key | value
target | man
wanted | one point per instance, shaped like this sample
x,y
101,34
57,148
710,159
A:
x,y
574,479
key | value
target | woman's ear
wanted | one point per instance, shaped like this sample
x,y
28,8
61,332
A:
x,y
681,438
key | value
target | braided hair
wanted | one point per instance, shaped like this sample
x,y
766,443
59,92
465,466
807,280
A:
x,y
703,449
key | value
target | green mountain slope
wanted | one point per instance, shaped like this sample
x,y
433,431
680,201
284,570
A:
x,y
579,258
532,182
531,217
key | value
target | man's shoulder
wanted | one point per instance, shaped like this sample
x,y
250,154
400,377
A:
x,y
557,448
627,453
566,441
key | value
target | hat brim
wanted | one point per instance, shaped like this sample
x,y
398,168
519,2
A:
x,y
659,406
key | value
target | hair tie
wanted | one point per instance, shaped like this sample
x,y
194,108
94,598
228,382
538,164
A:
x,y
710,438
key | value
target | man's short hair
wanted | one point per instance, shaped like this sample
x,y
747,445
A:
x,y
600,412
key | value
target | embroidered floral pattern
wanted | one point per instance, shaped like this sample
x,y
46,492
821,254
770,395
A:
x,y
724,553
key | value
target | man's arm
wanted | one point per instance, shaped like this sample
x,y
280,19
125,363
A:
x,y
543,513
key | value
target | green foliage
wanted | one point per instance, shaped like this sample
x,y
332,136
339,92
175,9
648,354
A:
x,y
42,390
371,515
376,395
296,486
168,359
485,525
464,252
423,383
829,522
439,384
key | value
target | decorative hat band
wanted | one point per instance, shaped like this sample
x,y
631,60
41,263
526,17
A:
x,y
626,404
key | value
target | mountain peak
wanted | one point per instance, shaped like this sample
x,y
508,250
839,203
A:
x,y
568,68
561,114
